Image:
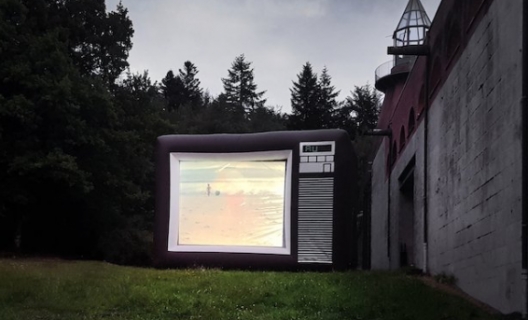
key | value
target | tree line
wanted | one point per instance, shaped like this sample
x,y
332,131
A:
x,y
242,108
77,129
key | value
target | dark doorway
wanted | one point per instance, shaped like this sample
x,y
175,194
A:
x,y
406,216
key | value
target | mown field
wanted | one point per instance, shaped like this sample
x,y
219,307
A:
x,y
57,289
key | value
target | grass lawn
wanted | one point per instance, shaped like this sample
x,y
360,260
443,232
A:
x,y
57,289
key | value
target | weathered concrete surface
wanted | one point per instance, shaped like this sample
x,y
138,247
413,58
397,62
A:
x,y
414,148
475,164
379,256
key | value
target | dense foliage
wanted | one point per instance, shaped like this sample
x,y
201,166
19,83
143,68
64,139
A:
x,y
76,143
77,131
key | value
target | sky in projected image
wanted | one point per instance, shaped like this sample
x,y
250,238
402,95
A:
x,y
232,177
232,203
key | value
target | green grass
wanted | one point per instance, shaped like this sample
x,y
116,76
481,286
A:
x,y
56,289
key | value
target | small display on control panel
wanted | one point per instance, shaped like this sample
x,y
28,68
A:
x,y
317,157
310,148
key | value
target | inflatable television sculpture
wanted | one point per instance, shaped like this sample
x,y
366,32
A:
x,y
276,200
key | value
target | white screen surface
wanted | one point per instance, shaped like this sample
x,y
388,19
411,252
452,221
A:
x,y
236,202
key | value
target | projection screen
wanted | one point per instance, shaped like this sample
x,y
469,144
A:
x,y
230,202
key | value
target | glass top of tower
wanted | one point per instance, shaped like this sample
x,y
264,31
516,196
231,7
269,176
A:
x,y
413,25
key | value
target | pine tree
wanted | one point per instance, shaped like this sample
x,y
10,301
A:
x,y
239,87
359,112
173,90
305,96
193,92
327,99
342,119
364,106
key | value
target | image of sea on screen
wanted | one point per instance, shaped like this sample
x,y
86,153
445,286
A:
x,y
231,204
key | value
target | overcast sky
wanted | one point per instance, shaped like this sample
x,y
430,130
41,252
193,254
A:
x,y
349,37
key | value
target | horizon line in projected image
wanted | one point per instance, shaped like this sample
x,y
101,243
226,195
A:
x,y
232,203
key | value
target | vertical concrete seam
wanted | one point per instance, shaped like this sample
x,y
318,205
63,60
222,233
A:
x,y
389,198
425,172
524,125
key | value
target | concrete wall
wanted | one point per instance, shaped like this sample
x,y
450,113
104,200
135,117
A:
x,y
414,148
475,164
380,196
379,209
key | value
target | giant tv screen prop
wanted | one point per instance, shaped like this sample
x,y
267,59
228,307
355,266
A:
x,y
264,200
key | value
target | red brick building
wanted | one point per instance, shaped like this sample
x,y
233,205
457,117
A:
x,y
449,179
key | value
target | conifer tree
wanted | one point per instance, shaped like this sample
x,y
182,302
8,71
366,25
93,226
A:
x,y
359,112
239,87
173,90
327,99
305,96
191,84
364,106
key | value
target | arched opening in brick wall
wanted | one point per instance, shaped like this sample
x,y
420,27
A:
x,y
411,122
394,154
421,101
402,138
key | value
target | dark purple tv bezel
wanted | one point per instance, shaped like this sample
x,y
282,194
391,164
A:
x,y
343,241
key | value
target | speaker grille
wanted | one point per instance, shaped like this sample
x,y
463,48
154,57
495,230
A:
x,y
316,207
